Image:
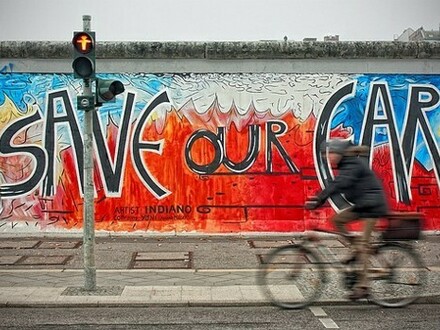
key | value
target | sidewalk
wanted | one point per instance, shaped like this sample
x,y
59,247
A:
x,y
171,271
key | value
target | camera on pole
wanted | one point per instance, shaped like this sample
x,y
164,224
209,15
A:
x,y
83,54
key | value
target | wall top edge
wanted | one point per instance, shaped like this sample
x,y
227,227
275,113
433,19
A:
x,y
224,50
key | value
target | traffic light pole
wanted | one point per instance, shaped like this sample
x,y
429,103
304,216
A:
x,y
89,208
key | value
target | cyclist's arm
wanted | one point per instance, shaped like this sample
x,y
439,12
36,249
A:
x,y
345,180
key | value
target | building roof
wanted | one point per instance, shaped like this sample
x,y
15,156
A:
x,y
431,35
425,35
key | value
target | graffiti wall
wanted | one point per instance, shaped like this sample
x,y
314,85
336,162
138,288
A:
x,y
211,153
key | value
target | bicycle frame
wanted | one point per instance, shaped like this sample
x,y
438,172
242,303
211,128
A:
x,y
316,242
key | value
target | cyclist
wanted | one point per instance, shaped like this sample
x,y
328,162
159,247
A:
x,y
362,188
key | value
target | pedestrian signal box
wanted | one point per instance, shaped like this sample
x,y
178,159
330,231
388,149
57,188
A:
x,y
83,54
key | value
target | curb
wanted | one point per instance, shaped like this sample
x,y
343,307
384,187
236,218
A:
x,y
433,300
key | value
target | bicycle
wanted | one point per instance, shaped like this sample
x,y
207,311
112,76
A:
x,y
294,276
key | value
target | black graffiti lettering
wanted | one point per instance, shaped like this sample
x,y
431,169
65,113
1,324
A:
x,y
7,68
272,139
322,133
218,152
416,118
52,120
37,154
218,142
138,144
251,154
371,121
112,178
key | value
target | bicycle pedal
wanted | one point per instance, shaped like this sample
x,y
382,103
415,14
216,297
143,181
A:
x,y
349,260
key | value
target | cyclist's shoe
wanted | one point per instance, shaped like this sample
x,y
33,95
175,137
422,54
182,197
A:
x,y
350,259
359,293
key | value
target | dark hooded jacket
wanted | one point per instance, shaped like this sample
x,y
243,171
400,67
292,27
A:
x,y
359,184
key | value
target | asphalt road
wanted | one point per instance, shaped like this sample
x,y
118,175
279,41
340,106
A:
x,y
198,318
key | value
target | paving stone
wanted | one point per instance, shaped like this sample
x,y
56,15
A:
x,y
59,245
251,293
100,291
198,293
133,291
162,256
9,260
267,244
44,260
226,293
284,259
332,243
13,291
161,264
135,281
161,260
8,244
168,293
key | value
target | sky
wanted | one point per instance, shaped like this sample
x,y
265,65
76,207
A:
x,y
216,20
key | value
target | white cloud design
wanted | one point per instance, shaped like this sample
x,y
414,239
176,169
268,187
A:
x,y
302,94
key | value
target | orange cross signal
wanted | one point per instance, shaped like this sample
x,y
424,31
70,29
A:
x,y
84,43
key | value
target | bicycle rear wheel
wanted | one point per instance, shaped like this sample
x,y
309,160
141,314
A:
x,y
397,275
292,276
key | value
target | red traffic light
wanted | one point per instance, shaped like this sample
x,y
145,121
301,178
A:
x,y
83,42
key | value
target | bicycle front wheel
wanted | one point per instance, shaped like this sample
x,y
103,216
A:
x,y
292,276
397,275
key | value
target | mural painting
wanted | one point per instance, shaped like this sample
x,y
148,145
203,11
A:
x,y
211,153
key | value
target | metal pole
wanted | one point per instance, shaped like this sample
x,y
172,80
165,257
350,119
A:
x,y
89,208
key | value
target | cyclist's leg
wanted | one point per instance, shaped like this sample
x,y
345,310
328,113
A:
x,y
363,248
340,220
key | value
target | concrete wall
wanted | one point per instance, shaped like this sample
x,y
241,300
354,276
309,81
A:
x,y
214,137
271,56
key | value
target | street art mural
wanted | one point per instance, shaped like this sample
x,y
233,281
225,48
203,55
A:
x,y
211,153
